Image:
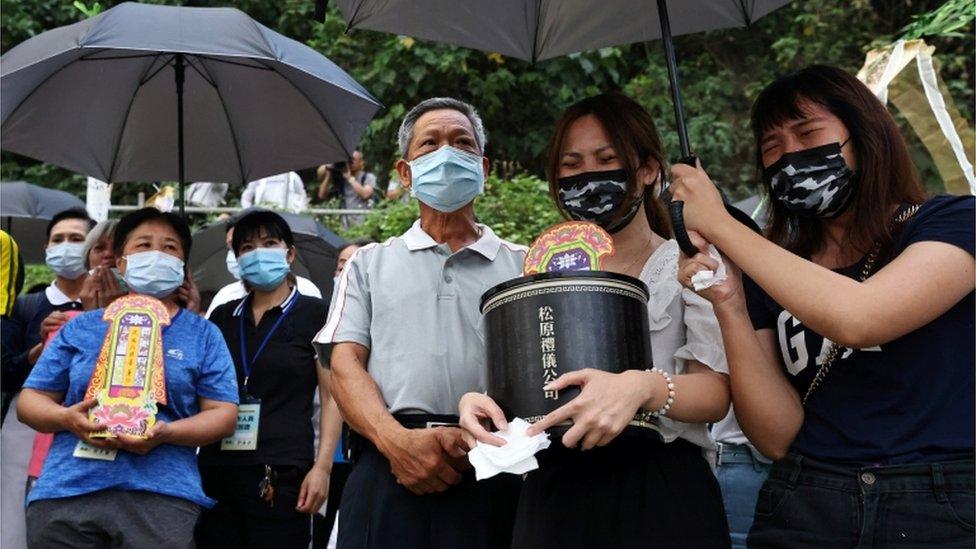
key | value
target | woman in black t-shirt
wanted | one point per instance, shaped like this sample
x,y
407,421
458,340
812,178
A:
x,y
267,478
851,343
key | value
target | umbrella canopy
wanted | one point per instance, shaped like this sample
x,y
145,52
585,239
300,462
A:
x,y
317,253
540,29
102,97
534,30
26,209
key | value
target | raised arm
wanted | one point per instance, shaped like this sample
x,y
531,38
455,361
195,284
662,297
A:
x,y
898,299
324,185
364,190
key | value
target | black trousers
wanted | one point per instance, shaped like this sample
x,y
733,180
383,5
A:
x,y
809,503
242,520
378,513
631,493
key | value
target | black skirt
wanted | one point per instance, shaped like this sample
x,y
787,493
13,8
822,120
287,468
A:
x,y
631,493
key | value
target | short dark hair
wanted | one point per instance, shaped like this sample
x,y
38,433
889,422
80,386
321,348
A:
x,y
130,221
70,213
253,223
886,176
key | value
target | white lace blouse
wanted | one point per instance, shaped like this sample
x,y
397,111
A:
x,y
683,327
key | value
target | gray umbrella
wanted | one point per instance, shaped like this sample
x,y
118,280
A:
x,y
317,252
145,92
534,30
26,209
539,29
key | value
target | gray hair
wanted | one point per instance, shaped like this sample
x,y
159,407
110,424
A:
x,y
98,232
436,103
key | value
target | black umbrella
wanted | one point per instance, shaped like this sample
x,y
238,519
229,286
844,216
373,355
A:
x,y
317,252
145,92
540,29
26,209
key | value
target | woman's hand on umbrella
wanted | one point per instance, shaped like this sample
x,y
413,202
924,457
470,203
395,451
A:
x,y
727,292
703,203
604,407
314,490
475,410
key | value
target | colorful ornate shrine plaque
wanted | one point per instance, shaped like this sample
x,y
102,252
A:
x,y
570,246
128,379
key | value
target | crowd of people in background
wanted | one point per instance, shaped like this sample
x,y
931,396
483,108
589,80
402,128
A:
x,y
344,185
821,396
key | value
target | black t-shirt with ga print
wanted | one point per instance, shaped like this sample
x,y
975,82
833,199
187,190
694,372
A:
x,y
910,400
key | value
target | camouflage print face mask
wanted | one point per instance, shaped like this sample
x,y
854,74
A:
x,y
812,183
596,197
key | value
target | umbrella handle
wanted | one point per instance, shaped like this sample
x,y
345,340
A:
x,y
677,208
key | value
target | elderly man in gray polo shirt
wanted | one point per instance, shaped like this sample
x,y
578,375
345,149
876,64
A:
x,y
407,341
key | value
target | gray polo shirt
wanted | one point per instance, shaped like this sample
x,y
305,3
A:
x,y
415,306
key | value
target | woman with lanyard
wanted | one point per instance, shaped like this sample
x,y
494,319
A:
x,y
129,491
592,489
851,342
266,478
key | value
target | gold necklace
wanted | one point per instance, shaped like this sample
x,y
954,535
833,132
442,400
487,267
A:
x,y
647,246
835,350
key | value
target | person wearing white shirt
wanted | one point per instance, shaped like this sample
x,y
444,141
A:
x,y
284,191
605,165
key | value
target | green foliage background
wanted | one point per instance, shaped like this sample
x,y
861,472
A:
x,y
721,74
517,209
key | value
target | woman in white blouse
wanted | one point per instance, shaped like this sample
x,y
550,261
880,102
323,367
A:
x,y
637,491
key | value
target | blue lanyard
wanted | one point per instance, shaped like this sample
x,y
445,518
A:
x,y
245,363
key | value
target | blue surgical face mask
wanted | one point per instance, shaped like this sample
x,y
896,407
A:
x,y
153,273
66,259
232,267
447,178
264,268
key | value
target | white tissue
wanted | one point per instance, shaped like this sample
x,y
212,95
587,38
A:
x,y
706,279
517,456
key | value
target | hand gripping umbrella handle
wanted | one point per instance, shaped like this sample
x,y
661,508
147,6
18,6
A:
x,y
678,219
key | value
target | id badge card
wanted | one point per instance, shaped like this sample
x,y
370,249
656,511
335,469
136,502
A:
x,y
84,450
245,437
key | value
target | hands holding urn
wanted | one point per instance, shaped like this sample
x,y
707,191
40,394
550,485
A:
x,y
606,404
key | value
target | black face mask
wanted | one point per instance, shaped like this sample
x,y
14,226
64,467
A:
x,y
813,182
596,197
